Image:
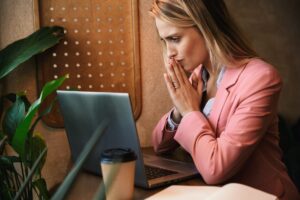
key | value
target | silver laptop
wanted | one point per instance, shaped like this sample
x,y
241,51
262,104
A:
x,y
84,111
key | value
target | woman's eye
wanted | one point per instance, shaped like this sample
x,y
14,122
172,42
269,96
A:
x,y
175,39
170,40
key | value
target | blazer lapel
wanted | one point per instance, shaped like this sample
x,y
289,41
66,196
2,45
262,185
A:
x,y
230,78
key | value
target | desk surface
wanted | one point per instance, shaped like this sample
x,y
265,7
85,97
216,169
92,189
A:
x,y
87,184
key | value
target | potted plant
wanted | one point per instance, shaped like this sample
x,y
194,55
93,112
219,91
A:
x,y
20,170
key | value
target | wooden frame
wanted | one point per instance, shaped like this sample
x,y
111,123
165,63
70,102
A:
x,y
99,53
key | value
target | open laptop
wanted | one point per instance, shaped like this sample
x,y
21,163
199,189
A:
x,y
84,111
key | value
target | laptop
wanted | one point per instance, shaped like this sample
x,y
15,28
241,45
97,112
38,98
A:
x,y
84,111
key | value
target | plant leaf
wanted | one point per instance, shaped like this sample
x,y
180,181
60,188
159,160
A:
x,y
34,149
13,96
7,170
3,139
30,174
13,117
41,185
43,113
20,51
7,163
19,138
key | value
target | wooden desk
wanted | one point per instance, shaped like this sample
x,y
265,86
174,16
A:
x,y
87,184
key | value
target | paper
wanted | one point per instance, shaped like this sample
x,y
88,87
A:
x,y
232,191
179,192
236,191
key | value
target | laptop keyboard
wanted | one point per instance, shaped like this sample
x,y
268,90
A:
x,y
155,172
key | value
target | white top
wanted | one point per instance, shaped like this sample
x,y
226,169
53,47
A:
x,y
208,106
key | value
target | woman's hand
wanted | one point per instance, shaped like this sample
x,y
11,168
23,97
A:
x,y
186,97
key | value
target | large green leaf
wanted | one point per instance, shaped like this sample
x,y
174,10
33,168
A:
x,y
36,145
21,50
11,97
21,133
13,117
42,114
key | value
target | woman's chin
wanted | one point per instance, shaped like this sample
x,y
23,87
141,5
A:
x,y
188,73
188,70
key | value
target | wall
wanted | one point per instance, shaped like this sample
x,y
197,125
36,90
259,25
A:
x,y
271,26
274,30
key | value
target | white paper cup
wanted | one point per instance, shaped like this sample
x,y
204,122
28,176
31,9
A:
x,y
118,169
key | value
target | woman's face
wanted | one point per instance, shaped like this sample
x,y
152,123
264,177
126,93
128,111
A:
x,y
186,45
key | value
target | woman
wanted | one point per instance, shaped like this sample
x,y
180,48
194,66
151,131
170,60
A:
x,y
225,113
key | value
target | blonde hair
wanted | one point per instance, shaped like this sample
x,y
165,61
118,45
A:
x,y
224,41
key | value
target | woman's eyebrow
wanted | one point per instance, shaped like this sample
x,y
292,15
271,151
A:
x,y
170,36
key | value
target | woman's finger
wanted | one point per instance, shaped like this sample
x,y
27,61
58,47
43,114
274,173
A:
x,y
172,76
184,77
169,84
178,72
194,81
199,85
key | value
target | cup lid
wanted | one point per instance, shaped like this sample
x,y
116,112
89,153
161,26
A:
x,y
117,155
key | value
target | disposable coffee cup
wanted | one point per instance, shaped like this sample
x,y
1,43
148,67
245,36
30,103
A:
x,y
118,167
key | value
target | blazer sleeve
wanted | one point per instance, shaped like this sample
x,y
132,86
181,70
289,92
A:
x,y
162,139
219,158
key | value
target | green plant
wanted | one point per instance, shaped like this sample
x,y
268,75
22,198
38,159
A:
x,y
20,172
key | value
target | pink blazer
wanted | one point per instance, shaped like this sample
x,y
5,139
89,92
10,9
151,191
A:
x,y
238,142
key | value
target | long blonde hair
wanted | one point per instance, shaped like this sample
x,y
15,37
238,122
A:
x,y
224,41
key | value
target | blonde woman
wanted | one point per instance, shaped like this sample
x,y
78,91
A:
x,y
225,110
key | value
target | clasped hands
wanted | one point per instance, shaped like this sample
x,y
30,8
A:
x,y
186,95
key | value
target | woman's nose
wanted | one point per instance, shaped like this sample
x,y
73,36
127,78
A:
x,y
171,52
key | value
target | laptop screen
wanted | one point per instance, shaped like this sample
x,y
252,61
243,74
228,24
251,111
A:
x,y
84,111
